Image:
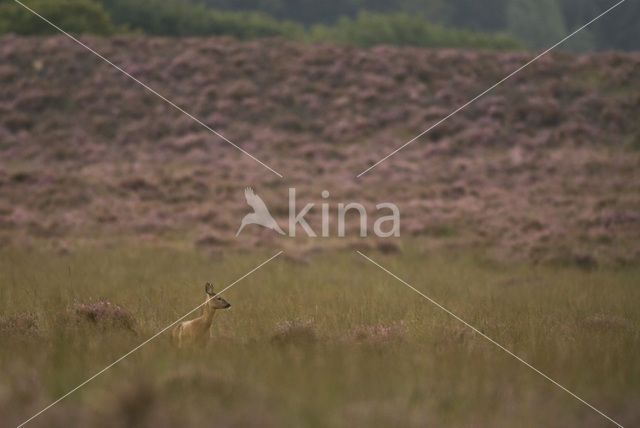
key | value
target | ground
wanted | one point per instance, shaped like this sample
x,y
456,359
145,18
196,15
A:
x,y
521,214
543,168
333,342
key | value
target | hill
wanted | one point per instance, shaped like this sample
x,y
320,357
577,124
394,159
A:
x,y
543,168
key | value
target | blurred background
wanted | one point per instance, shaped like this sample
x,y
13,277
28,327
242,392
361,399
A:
x,y
498,24
521,213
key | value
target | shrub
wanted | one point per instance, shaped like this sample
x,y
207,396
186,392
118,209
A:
x,y
370,29
20,324
74,16
102,313
180,18
378,334
294,332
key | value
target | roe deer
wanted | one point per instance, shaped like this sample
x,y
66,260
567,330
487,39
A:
x,y
197,329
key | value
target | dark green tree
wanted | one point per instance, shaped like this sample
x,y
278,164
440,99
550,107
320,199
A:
x,y
617,30
75,16
369,29
182,18
485,15
539,23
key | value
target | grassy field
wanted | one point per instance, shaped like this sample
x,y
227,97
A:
x,y
334,341
521,214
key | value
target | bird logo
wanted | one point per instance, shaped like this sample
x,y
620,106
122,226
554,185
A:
x,y
260,214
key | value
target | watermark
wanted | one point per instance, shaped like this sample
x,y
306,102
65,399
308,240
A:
x,y
386,224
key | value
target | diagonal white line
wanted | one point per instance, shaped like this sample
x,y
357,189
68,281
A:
x,y
153,91
147,341
489,339
489,89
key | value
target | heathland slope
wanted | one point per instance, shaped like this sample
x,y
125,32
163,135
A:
x,y
545,167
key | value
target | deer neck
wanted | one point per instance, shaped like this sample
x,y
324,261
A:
x,y
208,313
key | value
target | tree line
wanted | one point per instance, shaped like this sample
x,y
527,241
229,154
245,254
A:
x,y
487,24
537,23
179,18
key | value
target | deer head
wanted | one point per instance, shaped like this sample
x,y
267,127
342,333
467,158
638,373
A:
x,y
213,301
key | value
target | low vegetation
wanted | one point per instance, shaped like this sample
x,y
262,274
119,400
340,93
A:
x,y
179,19
335,342
73,16
544,168
520,214
371,29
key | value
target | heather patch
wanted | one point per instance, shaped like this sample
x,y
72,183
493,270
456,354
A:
x,y
540,169
294,332
102,314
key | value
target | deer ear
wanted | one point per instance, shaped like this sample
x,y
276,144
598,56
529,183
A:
x,y
209,289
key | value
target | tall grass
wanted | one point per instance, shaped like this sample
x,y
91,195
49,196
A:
x,y
335,342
